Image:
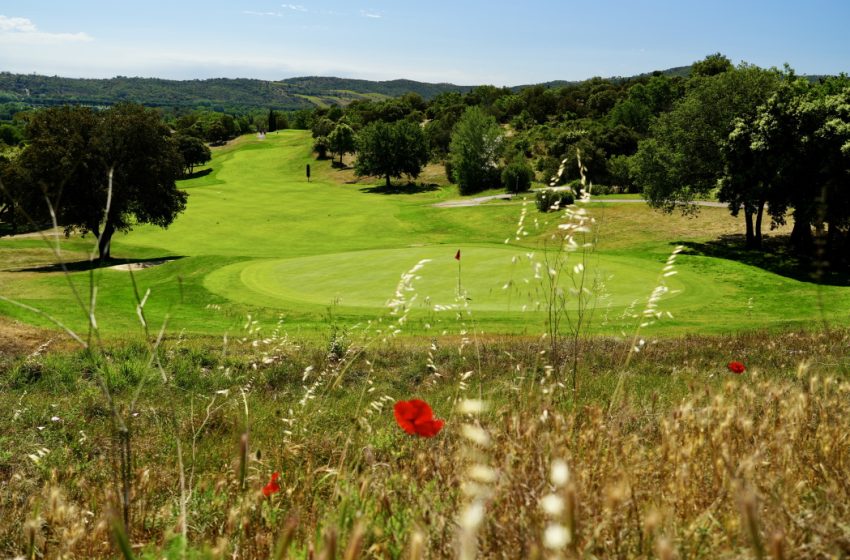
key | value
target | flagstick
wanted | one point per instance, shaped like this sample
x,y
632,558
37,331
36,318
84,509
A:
x,y
458,278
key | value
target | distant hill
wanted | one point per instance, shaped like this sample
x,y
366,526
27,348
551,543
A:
x,y
679,71
221,94
226,94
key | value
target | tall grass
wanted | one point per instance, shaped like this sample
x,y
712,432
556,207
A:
x,y
692,459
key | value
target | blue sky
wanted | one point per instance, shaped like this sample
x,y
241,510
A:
x,y
464,42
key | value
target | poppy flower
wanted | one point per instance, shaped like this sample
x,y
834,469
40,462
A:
x,y
272,486
736,367
416,418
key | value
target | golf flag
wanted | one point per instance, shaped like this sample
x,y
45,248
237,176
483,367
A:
x,y
457,255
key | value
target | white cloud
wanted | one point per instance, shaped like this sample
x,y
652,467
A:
x,y
371,14
268,14
22,31
294,7
16,24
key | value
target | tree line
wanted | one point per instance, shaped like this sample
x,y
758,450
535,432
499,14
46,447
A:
x,y
770,144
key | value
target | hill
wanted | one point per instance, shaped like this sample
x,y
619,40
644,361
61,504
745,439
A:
x,y
224,94
217,94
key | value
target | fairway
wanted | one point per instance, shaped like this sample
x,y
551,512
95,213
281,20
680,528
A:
x,y
257,238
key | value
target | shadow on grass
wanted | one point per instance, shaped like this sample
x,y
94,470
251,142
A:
x,y
409,188
6,228
82,266
196,174
777,257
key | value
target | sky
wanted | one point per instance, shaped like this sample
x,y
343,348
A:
x,y
466,42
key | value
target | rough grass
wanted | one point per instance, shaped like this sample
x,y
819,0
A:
x,y
691,462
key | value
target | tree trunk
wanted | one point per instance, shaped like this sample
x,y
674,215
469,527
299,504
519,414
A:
x,y
388,182
801,235
104,241
748,219
757,231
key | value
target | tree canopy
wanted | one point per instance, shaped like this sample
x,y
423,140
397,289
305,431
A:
x,y
475,151
101,171
391,150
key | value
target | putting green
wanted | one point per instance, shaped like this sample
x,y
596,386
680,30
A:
x,y
495,278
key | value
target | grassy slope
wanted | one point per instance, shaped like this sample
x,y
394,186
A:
x,y
258,238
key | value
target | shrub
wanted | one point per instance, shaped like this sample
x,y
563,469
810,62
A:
x,y
549,199
517,176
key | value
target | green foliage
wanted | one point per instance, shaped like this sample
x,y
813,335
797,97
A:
x,y
547,200
391,150
683,159
768,164
193,151
322,127
517,176
475,151
321,145
212,127
620,172
74,155
711,65
342,140
10,135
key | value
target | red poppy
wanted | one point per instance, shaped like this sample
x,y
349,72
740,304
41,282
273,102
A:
x,y
272,486
416,418
736,367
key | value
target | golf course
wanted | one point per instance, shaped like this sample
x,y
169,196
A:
x,y
259,239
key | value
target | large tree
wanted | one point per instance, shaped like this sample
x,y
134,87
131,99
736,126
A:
x,y
762,158
194,151
794,154
683,159
104,172
391,150
475,151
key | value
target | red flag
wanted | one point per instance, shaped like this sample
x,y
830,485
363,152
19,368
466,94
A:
x,y
457,255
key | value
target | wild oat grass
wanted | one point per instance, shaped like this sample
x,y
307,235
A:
x,y
694,460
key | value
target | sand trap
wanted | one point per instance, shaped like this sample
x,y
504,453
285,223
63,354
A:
x,y
139,265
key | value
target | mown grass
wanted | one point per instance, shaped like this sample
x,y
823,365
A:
x,y
256,211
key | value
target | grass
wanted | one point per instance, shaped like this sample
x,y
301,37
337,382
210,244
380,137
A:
x,y
256,234
694,461
280,356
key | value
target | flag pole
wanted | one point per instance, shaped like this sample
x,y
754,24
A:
x,y
457,256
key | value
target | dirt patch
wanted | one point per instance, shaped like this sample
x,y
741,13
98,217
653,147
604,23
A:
x,y
139,265
18,339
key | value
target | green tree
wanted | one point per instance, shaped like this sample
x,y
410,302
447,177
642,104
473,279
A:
x,y
193,151
475,150
683,157
794,153
517,176
391,150
10,135
711,65
73,152
272,120
342,140
321,146
322,126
